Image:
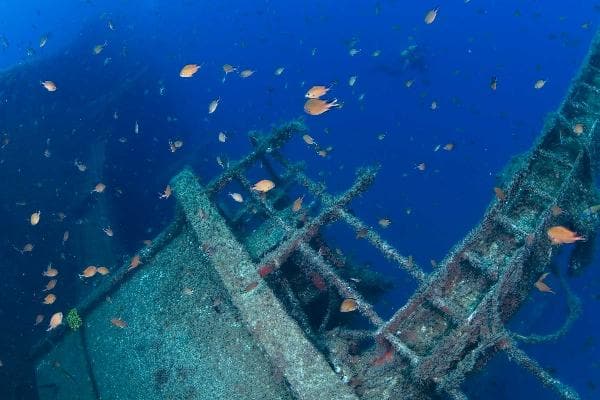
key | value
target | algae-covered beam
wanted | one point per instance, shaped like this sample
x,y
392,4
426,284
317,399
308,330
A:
x,y
521,358
318,190
305,369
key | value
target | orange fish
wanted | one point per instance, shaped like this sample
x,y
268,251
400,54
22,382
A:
x,y
318,106
263,186
103,271
541,286
135,262
49,86
316,92
89,272
297,205
50,272
166,194
118,322
35,218
50,285
99,188
431,16
348,305
55,321
189,70
49,299
561,235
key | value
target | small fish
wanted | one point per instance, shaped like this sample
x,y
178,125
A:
x,y
38,319
578,129
108,230
136,128
409,83
176,145
103,271
421,166
49,86
65,237
494,83
431,16
556,210
28,248
434,105
228,68
297,205
166,193
316,92
263,186
308,140
55,321
212,107
279,71
540,83
80,166
118,322
188,291
89,272
247,73
561,235
348,305
98,48
135,262
354,52
189,70
237,197
99,188
449,146
384,222
50,285
34,219
222,137
318,106
352,80
50,272
49,299
541,286
43,41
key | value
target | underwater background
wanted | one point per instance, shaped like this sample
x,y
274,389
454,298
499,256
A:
x,y
431,196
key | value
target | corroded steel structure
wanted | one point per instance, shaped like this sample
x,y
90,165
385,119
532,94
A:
x,y
453,322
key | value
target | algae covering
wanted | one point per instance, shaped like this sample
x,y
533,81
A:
x,y
178,343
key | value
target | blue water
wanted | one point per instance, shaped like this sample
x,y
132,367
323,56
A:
x,y
518,42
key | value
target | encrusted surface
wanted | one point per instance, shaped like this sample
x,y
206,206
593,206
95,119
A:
x,y
183,340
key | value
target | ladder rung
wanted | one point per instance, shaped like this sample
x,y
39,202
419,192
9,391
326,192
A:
x,y
403,349
537,191
448,309
554,157
511,225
